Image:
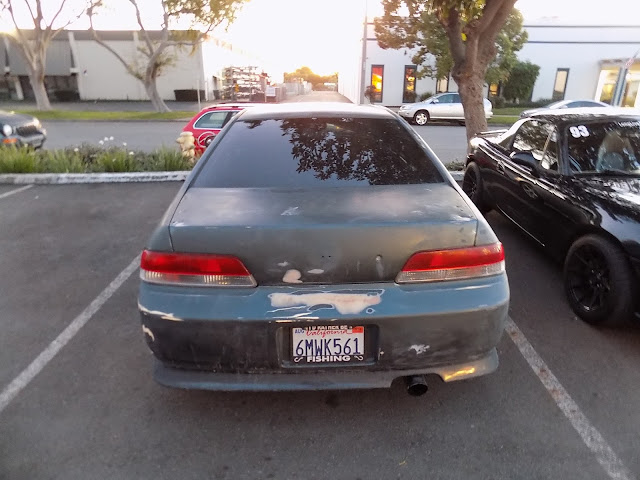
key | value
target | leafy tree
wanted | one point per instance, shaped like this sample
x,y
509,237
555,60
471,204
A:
x,y
33,44
521,81
307,75
471,28
155,55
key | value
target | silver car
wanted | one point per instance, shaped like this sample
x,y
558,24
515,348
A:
x,y
444,106
321,246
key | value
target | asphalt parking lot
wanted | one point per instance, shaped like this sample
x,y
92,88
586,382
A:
x,y
93,411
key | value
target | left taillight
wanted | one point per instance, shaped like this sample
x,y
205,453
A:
x,y
454,264
194,269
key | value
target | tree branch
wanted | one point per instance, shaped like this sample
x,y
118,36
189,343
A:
x,y
147,39
454,32
489,13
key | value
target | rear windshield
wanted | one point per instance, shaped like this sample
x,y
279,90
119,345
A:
x,y
212,120
603,146
308,152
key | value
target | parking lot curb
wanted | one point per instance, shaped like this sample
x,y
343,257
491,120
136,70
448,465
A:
x,y
128,177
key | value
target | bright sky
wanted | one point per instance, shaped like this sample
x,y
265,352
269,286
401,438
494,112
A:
x,y
287,34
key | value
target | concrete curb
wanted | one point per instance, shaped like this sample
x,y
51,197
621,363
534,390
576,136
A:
x,y
130,177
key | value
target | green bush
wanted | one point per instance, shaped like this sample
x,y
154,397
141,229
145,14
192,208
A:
x,y
88,158
497,102
423,96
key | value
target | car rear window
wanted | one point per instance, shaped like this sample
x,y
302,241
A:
x,y
212,120
307,152
600,146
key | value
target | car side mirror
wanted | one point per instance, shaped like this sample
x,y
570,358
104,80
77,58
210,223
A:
x,y
526,159
435,100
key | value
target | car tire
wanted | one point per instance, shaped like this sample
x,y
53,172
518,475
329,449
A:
x,y
421,117
598,281
473,186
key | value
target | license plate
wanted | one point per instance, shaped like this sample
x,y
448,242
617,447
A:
x,y
327,344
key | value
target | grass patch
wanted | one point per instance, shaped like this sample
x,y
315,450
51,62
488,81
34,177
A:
x,y
106,116
90,159
503,120
509,111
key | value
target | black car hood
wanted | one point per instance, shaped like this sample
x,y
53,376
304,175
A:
x,y
621,192
14,119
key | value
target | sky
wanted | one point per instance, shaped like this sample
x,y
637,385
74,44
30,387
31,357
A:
x,y
287,34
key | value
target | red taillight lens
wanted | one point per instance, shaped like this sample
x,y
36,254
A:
x,y
194,269
455,264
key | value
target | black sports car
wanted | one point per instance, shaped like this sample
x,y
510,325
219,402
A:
x,y
21,130
571,180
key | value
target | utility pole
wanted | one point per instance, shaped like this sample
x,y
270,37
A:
x,y
621,82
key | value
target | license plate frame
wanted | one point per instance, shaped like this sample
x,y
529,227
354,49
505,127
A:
x,y
328,345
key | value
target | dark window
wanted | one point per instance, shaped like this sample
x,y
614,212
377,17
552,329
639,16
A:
x,y
215,119
309,152
532,137
377,78
560,84
448,98
409,91
456,98
599,146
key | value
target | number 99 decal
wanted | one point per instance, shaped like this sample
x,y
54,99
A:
x,y
579,131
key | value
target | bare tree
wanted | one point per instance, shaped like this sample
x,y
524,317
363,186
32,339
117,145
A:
x,y
33,44
154,54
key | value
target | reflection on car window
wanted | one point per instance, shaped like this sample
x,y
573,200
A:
x,y
551,152
532,137
308,152
600,146
212,120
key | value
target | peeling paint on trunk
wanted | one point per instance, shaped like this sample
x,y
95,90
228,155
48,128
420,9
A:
x,y
292,276
420,349
344,303
148,331
163,315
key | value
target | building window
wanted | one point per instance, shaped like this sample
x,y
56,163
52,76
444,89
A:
x,y
377,77
409,91
442,85
494,90
630,97
607,84
560,85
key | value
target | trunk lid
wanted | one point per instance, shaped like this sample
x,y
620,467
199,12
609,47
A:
x,y
323,235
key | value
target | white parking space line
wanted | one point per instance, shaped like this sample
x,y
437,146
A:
x,y
41,361
590,435
17,190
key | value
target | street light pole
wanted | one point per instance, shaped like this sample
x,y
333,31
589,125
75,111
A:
x,y
622,80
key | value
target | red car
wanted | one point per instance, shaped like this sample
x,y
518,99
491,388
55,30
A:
x,y
208,123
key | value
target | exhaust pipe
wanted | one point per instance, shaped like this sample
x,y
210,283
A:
x,y
416,385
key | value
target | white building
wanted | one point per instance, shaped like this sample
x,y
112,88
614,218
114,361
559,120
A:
x,y
576,61
79,68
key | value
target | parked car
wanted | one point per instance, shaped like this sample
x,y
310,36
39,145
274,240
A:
x,y
562,104
207,123
321,246
571,180
444,106
21,130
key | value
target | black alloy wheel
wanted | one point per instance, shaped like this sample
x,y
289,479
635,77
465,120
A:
x,y
598,281
473,186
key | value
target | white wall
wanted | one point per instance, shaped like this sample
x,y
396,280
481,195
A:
x,y
581,50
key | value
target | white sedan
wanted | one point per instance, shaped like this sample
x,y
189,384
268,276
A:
x,y
444,106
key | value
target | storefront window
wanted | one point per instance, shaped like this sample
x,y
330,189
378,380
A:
x,y
607,84
560,85
630,97
377,77
409,92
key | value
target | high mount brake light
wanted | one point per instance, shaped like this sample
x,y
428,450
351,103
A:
x,y
454,264
194,269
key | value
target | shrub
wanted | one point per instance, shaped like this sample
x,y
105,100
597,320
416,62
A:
x,y
168,160
61,161
497,102
19,160
423,96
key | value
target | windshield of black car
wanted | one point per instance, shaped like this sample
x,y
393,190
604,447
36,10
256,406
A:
x,y
309,152
607,146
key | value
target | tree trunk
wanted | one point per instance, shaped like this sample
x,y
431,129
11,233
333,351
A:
x,y
471,90
36,78
152,91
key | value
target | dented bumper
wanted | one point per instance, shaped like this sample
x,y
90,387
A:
x,y
240,339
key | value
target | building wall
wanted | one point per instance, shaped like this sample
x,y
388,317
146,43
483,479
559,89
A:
x,y
581,49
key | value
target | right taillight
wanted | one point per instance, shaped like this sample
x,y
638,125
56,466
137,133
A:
x,y
194,269
454,264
